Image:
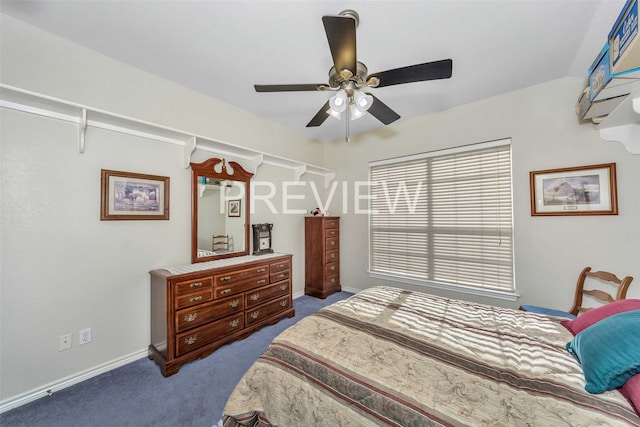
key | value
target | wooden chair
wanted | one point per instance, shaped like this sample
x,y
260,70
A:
x,y
220,243
612,282
609,279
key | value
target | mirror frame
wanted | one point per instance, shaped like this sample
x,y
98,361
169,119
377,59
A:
x,y
207,169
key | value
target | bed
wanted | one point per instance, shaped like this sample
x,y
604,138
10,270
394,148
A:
x,y
388,356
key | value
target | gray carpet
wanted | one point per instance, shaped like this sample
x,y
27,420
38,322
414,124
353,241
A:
x,y
138,395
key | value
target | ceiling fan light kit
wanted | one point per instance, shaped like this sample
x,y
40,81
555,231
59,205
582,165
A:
x,y
348,77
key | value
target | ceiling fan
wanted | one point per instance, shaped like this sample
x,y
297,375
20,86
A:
x,y
349,78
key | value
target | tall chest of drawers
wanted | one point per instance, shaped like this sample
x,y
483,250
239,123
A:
x,y
322,255
199,307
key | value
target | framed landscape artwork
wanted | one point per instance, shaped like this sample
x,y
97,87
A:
x,y
133,196
583,190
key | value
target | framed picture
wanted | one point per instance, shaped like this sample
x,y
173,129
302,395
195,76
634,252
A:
x,y
234,208
128,195
583,190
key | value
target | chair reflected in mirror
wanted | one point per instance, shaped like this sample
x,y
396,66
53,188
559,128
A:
x,y
220,243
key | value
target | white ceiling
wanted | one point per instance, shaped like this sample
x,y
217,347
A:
x,y
222,48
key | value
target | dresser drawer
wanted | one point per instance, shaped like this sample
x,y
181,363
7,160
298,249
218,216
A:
x,y
331,223
332,281
331,268
267,310
332,243
241,275
234,288
283,275
262,295
331,232
193,285
331,256
191,317
278,267
206,334
194,298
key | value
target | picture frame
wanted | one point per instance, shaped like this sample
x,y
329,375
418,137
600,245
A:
x,y
581,190
233,208
133,196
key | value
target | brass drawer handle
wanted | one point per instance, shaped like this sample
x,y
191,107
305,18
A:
x,y
225,278
283,287
280,266
280,276
262,270
190,317
195,285
283,303
333,243
332,268
255,314
254,297
333,280
234,303
190,340
234,323
332,255
262,281
194,299
226,291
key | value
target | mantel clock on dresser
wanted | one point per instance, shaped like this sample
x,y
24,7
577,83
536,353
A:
x,y
262,239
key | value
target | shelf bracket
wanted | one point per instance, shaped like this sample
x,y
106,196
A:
x,y
623,124
254,162
82,131
189,148
627,135
328,177
298,171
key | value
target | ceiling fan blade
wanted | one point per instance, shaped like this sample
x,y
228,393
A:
x,y
341,35
320,116
382,112
288,88
415,73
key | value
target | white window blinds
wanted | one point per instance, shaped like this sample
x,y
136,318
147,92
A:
x,y
444,217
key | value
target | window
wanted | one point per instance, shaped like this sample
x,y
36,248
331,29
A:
x,y
444,219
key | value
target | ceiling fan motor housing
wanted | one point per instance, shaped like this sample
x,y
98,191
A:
x,y
360,78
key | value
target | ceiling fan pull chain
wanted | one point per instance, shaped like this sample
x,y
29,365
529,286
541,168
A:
x,y
347,138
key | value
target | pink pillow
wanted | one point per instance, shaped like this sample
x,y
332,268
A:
x,y
631,390
591,317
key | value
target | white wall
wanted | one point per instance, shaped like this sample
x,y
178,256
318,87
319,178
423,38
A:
x,y
62,269
550,252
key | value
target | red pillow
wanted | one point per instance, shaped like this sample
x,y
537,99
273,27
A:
x,y
591,317
631,390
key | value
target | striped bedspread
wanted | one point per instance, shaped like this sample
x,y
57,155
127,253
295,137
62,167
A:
x,y
388,356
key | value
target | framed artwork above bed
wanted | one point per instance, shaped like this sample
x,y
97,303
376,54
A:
x,y
582,190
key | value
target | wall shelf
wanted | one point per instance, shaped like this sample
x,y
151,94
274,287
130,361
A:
x,y
623,123
84,116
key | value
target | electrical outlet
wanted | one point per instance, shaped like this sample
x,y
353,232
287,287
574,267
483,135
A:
x,y
85,336
64,342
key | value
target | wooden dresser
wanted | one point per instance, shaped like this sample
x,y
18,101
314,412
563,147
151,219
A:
x,y
322,255
196,308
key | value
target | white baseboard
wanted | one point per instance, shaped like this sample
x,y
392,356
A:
x,y
49,389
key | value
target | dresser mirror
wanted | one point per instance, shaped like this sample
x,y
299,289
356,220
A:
x,y
220,211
